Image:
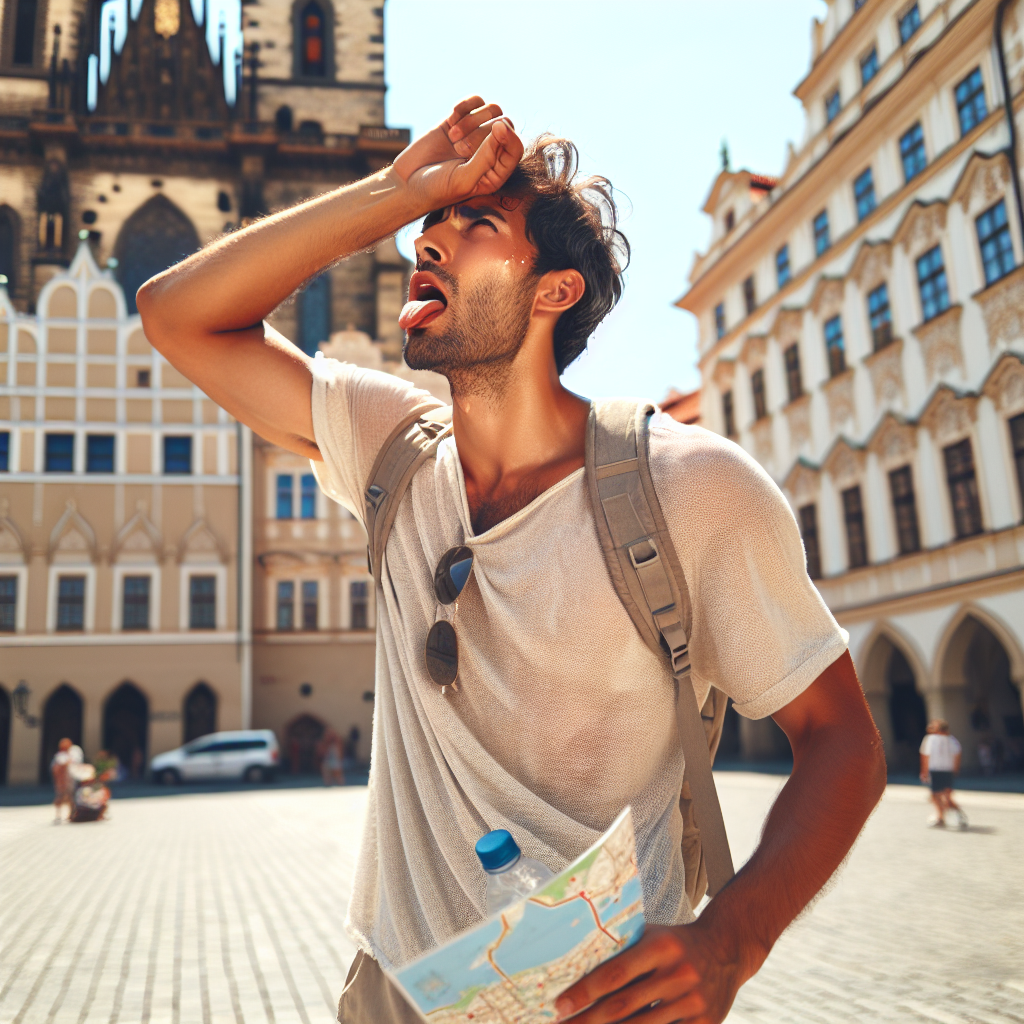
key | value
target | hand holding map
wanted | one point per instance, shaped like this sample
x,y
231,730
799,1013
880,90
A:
x,y
511,968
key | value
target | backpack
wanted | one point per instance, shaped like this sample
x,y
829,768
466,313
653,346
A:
x,y
644,570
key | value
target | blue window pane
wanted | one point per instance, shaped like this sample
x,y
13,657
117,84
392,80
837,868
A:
x,y
909,23
99,453
285,604
8,603
970,101
308,510
835,346
912,152
869,67
720,319
202,602
5,451
996,244
833,105
864,193
880,317
60,453
821,233
783,273
284,496
71,603
135,609
931,281
315,314
178,454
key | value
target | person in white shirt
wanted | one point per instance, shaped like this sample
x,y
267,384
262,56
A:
x,y
940,762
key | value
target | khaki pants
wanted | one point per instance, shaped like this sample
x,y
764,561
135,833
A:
x,y
370,998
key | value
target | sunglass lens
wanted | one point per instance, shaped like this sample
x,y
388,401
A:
x,y
442,653
452,573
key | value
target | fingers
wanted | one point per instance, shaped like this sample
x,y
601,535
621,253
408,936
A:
x,y
462,108
667,987
468,124
495,159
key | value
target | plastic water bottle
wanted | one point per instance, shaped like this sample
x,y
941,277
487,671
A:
x,y
510,875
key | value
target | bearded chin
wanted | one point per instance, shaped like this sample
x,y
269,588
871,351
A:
x,y
476,348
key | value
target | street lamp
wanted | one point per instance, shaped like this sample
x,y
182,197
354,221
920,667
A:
x,y
20,698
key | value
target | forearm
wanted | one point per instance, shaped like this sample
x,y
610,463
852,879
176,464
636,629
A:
x,y
240,279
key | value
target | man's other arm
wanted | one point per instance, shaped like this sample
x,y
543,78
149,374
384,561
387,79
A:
x,y
207,314
695,970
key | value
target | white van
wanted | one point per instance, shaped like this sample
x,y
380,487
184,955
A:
x,y
250,754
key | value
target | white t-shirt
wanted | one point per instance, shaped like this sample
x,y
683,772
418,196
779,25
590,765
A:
x,y
564,715
942,750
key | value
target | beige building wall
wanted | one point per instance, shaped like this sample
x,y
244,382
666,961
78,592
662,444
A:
x,y
927,393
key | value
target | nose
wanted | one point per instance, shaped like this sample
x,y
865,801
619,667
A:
x,y
432,249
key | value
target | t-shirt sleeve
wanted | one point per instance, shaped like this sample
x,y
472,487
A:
x,y
759,630
926,745
954,746
354,412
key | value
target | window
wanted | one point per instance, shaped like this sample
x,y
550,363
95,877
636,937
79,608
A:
x,y
1017,440
9,602
809,532
310,605
757,387
359,596
308,498
864,193
70,603
970,101
312,41
202,602
285,604
995,242
60,453
314,314
5,451
880,317
749,295
728,415
99,453
868,67
912,152
904,506
284,495
135,609
720,320
931,282
782,270
963,488
730,220
25,33
856,539
821,236
834,346
142,379
794,383
833,104
910,22
178,455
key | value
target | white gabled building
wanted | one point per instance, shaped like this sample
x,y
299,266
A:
x,y
861,329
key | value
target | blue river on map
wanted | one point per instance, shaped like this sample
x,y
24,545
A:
x,y
542,934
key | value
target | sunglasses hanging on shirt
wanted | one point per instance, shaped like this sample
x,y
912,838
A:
x,y
442,647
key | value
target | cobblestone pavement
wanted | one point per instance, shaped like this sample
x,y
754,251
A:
x,y
228,908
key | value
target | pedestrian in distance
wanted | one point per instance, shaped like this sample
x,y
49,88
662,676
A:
x,y
63,781
331,767
940,764
516,685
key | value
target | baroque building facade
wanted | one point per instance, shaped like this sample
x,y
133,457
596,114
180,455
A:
x,y
144,533
862,336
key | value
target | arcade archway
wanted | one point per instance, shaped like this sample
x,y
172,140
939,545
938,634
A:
x,y
302,740
126,728
200,712
62,717
891,686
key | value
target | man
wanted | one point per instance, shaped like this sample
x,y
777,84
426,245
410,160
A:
x,y
940,763
63,782
563,715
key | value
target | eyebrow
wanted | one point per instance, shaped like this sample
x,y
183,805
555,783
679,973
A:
x,y
477,212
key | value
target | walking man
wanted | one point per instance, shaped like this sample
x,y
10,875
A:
x,y
940,763
563,713
63,780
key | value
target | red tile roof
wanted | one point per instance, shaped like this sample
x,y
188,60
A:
x,y
683,408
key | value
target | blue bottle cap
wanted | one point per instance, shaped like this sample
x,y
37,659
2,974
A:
x,y
497,850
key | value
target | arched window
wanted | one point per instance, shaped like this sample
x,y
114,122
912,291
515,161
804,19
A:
x,y
313,26
200,716
9,246
156,236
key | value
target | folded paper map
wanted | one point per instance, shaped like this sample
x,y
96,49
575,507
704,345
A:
x,y
511,968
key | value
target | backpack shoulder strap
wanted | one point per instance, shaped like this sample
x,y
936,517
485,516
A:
x,y
648,578
409,445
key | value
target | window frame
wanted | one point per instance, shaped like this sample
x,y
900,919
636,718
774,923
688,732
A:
x,y
728,413
835,340
972,490
833,105
720,328
86,569
936,277
304,605
905,517
69,576
749,294
89,439
20,576
166,444
217,569
133,576
759,394
857,555
1015,426
350,603
783,268
968,103
330,66
279,493
55,435
821,229
5,451
117,602
794,375
1001,231
807,518
864,197
308,488
911,13
869,60
284,602
917,149
881,331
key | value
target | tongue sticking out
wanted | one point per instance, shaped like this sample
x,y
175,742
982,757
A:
x,y
420,312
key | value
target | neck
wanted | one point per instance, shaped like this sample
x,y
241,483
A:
x,y
520,438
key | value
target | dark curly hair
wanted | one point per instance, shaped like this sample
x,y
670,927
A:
x,y
572,222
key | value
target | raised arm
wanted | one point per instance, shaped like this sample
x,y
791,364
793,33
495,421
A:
x,y
207,315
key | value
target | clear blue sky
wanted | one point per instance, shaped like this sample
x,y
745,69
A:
x,y
647,89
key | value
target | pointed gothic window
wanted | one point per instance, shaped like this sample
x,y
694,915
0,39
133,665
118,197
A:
x,y
313,40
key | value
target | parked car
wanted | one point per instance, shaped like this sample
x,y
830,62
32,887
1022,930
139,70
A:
x,y
251,754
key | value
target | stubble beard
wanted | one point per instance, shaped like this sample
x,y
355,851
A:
x,y
475,350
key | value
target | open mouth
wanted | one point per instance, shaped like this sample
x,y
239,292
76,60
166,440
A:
x,y
427,301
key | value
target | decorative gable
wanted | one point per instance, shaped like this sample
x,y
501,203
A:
x,y
983,182
201,545
72,540
802,481
949,414
844,463
138,540
827,297
1005,384
893,439
872,264
921,227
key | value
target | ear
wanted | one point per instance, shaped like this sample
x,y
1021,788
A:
x,y
559,290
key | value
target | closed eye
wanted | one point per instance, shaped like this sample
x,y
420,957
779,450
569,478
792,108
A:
x,y
484,220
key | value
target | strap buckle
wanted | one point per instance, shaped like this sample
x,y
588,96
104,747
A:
x,y
375,494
